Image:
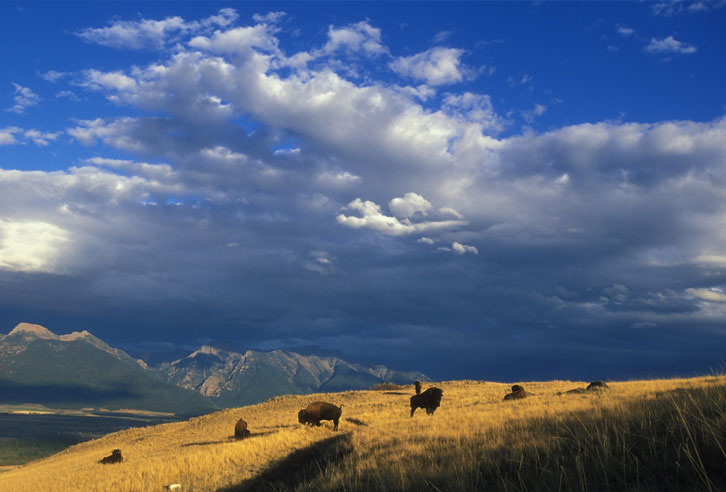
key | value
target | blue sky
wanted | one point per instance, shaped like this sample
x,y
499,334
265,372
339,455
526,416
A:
x,y
494,190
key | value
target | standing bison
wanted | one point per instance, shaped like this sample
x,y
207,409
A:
x,y
320,410
429,400
240,430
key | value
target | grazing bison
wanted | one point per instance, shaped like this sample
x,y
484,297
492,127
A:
x,y
417,385
115,457
517,393
597,385
429,400
320,410
240,430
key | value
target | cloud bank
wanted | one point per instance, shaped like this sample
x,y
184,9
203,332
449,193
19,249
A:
x,y
266,194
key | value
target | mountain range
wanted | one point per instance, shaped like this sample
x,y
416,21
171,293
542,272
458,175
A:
x,y
240,378
79,370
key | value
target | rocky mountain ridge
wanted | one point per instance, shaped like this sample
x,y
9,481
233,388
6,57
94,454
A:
x,y
227,377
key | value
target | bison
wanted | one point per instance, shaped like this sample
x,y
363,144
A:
x,y
429,400
597,385
115,457
320,410
240,430
417,385
517,393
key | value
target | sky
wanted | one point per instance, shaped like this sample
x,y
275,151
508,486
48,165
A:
x,y
505,191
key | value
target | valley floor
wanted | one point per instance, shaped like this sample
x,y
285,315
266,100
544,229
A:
x,y
638,435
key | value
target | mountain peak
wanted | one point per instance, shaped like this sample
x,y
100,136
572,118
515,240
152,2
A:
x,y
34,330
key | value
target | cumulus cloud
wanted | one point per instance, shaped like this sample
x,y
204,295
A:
x,y
7,135
360,38
373,218
31,246
409,205
152,34
437,66
23,98
669,45
14,135
41,138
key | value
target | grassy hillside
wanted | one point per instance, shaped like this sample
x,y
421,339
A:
x,y
639,435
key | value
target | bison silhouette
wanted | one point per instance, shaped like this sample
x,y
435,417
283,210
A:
x,y
428,400
240,430
114,457
320,410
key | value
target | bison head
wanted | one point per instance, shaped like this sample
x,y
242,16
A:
x,y
301,417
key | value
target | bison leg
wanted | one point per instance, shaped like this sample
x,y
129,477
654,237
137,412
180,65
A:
x,y
413,409
335,424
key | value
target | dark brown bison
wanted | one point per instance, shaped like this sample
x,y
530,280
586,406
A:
x,y
320,410
417,385
429,400
240,430
115,457
517,393
597,385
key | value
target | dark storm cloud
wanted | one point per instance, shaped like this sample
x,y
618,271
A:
x,y
275,204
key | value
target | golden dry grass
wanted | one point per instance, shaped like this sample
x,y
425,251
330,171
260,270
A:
x,y
619,439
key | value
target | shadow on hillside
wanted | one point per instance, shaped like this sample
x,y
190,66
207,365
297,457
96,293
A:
x,y
298,466
229,439
15,393
397,393
356,421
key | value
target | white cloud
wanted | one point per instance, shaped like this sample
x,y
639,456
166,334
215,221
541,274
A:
x,y
355,38
710,295
14,135
153,34
270,17
624,30
23,99
373,218
53,75
437,66
442,36
41,138
462,249
65,94
31,246
425,240
476,108
7,135
162,172
116,81
669,45
678,7
450,211
711,260
459,249
408,206
536,111
239,40
338,179
321,262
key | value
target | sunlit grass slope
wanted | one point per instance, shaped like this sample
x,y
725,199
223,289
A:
x,y
638,435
